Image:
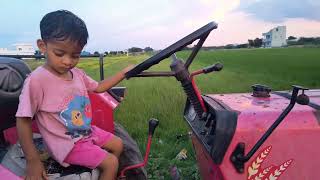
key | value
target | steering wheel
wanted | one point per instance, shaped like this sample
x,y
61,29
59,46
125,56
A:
x,y
200,34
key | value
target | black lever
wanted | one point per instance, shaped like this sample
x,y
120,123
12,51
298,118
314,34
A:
x,y
238,158
302,99
153,123
215,67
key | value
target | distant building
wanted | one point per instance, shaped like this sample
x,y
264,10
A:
x,y
85,53
276,37
126,52
20,49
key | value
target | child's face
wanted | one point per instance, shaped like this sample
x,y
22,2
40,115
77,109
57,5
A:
x,y
62,56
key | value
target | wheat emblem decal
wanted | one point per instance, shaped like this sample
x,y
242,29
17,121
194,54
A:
x,y
278,171
255,166
256,172
263,173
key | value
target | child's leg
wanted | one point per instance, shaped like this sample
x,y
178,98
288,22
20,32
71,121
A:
x,y
109,168
107,141
114,145
86,153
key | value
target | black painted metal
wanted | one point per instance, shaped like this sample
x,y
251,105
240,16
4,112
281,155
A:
x,y
259,90
201,33
196,50
216,133
12,75
288,96
214,67
153,123
155,74
101,67
238,158
182,75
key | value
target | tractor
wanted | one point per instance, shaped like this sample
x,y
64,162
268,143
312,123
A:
x,y
255,135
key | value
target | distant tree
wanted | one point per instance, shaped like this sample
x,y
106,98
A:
x,y
229,46
148,49
113,53
309,40
242,45
37,54
257,42
106,53
306,40
96,53
85,53
291,38
251,42
135,49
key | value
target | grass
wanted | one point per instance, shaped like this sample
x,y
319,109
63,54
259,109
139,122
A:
x,y
163,98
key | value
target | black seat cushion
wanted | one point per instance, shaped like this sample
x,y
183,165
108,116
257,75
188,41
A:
x,y
12,75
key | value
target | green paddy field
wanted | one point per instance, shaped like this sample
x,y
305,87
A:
x,y
163,98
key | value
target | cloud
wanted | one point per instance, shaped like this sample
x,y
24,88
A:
x,y
280,10
157,24
115,25
160,24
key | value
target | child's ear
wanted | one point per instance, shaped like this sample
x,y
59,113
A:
x,y
42,46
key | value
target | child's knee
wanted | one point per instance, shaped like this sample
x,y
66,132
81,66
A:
x,y
120,145
111,162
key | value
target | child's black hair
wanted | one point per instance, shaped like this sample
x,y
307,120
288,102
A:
x,y
61,25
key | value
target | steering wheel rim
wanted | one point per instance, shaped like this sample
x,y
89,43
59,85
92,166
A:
x,y
189,39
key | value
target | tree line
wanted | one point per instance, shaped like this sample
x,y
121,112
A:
x,y
130,50
258,42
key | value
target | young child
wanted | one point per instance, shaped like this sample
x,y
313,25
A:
x,y
55,95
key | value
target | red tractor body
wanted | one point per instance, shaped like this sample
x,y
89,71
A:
x,y
291,151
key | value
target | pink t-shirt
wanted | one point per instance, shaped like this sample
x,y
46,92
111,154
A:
x,y
60,107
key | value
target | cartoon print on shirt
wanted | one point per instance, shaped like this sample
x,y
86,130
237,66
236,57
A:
x,y
77,116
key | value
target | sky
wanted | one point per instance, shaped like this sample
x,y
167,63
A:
x,y
119,25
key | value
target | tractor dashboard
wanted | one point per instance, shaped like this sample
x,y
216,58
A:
x,y
216,131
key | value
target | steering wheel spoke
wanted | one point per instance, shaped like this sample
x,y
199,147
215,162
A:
x,y
196,50
201,34
155,74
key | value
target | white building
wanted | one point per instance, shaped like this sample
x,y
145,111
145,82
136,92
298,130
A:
x,y
276,37
20,49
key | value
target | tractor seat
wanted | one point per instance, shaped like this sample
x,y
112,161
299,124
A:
x,y
12,75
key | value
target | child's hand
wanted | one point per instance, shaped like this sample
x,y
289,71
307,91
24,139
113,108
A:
x,y
35,170
113,80
128,68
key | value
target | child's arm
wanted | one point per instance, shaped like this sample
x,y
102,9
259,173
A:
x,y
113,80
35,169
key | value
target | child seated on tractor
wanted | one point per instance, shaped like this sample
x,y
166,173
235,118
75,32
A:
x,y
55,95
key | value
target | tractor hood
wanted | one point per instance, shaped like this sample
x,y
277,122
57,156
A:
x,y
260,113
290,151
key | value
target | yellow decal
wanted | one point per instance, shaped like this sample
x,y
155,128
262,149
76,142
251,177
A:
x,y
279,170
263,173
255,166
256,172
77,118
